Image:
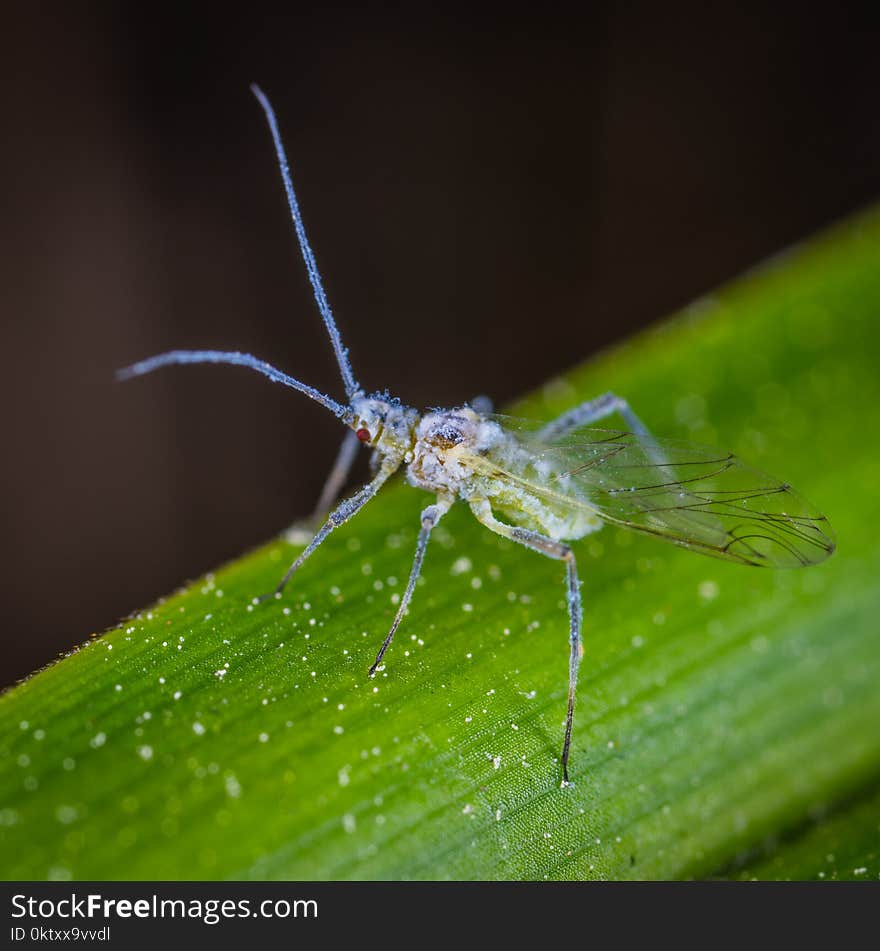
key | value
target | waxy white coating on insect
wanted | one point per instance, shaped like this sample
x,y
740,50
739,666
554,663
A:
x,y
541,488
447,444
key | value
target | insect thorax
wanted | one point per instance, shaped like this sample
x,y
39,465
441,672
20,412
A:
x,y
447,443
461,452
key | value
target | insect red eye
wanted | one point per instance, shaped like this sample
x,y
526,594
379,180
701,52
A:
x,y
363,435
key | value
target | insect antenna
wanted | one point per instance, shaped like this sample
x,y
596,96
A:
x,y
351,385
236,359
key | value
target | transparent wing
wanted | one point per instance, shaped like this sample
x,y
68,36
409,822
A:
x,y
690,495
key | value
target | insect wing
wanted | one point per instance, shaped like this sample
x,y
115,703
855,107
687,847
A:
x,y
690,495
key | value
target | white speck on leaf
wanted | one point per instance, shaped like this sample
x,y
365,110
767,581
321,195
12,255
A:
x,y
233,787
66,814
708,590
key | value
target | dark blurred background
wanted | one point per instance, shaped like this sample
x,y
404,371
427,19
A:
x,y
492,196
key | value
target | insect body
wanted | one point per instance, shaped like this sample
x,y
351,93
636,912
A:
x,y
540,485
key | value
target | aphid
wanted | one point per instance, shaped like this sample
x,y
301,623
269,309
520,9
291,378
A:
x,y
541,485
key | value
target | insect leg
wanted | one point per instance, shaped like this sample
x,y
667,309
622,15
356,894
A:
x,y
552,549
303,529
339,516
482,404
431,515
591,412
338,475
375,462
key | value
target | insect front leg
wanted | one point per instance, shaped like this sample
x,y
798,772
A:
x,y
591,412
337,476
303,529
339,516
431,515
562,552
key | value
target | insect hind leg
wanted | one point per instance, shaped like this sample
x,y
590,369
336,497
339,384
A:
x,y
591,411
562,552
597,409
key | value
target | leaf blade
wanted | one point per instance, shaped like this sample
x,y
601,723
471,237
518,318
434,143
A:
x,y
717,706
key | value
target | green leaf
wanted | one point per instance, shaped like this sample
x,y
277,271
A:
x,y
720,708
843,845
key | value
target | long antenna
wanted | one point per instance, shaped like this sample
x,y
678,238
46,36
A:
x,y
237,359
351,385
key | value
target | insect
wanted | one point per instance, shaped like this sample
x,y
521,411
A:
x,y
540,485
